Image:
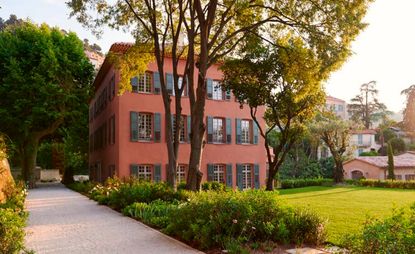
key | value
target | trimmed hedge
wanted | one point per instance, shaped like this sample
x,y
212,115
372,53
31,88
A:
x,y
399,184
298,183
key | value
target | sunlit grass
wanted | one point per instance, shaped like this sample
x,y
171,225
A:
x,y
346,208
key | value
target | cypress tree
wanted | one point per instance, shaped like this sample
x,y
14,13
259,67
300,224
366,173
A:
x,y
391,167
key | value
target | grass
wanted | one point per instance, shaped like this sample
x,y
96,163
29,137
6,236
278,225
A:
x,y
347,208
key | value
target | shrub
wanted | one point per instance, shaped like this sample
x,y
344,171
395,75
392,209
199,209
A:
x,y
395,234
214,186
371,153
155,213
212,219
298,183
82,187
400,184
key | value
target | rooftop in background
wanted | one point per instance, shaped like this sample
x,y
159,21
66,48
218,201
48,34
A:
x,y
368,131
328,97
406,160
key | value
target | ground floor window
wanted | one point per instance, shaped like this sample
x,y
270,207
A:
x,y
398,177
410,177
219,173
181,173
246,176
144,172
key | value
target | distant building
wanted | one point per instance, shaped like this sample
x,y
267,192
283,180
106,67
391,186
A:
x,y
376,167
363,141
338,106
95,58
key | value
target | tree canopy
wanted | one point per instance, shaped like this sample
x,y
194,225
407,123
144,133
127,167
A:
x,y
45,78
409,111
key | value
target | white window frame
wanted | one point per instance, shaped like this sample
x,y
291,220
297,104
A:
x,y
145,172
145,126
219,173
180,84
217,92
144,83
218,130
245,131
181,173
246,176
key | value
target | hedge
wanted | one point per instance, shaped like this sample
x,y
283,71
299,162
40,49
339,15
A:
x,y
399,184
298,183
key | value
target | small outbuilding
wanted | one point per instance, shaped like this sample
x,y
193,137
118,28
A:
x,y
376,167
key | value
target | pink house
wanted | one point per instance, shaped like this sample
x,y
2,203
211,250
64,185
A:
x,y
127,132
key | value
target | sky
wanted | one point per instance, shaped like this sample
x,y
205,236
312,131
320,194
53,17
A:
x,y
384,51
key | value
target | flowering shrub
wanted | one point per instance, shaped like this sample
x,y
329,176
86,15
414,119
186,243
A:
x,y
395,234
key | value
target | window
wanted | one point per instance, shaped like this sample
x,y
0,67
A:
x,y
246,176
359,139
219,173
181,173
144,172
245,132
340,108
218,130
180,85
144,83
182,135
398,177
144,126
217,90
410,177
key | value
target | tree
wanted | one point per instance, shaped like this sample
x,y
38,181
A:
x,y
42,74
215,29
335,133
365,107
287,81
391,167
13,20
409,111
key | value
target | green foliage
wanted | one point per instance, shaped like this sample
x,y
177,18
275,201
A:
x,y
13,220
388,134
155,213
398,145
298,183
214,218
399,184
395,234
44,155
82,187
371,153
214,186
391,167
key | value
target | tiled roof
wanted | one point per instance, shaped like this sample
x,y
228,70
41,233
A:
x,y
334,98
406,160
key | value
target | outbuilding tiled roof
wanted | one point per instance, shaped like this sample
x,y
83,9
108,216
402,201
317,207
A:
x,y
406,160
367,131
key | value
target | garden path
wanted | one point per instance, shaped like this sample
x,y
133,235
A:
x,y
63,221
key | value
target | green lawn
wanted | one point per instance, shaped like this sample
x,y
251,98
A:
x,y
346,208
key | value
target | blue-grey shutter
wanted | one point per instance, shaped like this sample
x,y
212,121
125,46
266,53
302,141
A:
x,y
210,172
209,88
134,170
156,82
238,130
189,128
172,117
256,176
210,129
157,127
134,84
239,175
228,131
157,173
228,95
169,83
134,126
229,175
255,132
187,87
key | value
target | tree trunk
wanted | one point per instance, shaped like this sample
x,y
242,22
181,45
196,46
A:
x,y
194,176
28,160
338,172
270,182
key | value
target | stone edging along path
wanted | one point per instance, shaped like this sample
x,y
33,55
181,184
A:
x,y
64,221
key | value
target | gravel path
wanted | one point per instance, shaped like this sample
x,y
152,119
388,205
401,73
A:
x,y
63,221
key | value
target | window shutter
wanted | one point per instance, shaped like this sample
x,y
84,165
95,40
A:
x,y
156,82
255,132
229,175
228,131
169,83
239,175
157,173
209,88
238,130
134,126
189,128
157,127
134,170
256,176
186,93
228,95
134,84
210,129
210,172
